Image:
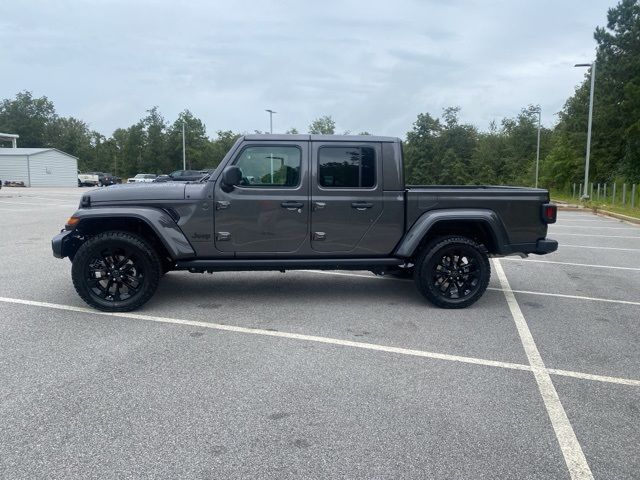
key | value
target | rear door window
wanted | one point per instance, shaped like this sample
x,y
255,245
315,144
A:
x,y
347,167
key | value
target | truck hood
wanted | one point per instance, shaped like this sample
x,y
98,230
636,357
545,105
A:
x,y
138,191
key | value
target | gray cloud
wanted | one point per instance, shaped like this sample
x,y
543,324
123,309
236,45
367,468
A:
x,y
373,65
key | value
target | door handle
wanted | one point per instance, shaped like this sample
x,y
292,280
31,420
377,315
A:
x,y
361,205
292,205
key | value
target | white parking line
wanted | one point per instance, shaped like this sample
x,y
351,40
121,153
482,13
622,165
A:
x,y
20,210
615,222
591,227
571,449
531,260
326,340
572,297
637,237
40,205
563,245
358,275
272,333
525,292
595,378
50,198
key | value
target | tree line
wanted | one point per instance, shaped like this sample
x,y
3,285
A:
x,y
439,149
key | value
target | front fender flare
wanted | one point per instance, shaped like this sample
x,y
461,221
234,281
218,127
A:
x,y
420,229
157,219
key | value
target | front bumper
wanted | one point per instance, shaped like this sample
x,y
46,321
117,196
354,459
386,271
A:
x,y
59,244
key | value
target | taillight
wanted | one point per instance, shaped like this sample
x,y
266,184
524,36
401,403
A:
x,y
549,213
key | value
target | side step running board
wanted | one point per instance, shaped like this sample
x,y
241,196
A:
x,y
288,264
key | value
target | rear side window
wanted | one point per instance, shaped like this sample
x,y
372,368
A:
x,y
347,167
270,166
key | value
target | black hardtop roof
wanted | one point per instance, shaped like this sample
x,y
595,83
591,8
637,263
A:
x,y
321,138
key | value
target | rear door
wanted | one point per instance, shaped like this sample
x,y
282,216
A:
x,y
269,211
346,194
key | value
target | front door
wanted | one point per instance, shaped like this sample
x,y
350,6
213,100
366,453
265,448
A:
x,y
346,195
269,210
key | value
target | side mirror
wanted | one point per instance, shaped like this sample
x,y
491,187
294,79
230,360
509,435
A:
x,y
231,176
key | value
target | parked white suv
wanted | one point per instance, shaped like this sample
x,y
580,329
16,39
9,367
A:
x,y
142,178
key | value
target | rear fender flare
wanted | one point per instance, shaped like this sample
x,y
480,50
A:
x,y
420,229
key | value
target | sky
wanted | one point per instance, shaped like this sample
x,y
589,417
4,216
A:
x,y
372,65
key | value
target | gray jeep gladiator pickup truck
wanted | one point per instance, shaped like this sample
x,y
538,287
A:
x,y
283,202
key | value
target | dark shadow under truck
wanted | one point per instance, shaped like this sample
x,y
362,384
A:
x,y
285,202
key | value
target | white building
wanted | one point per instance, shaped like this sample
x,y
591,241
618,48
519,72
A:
x,y
38,167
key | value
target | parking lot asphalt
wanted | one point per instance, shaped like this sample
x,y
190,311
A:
x,y
321,374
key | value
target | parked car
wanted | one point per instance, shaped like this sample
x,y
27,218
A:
x,y
95,179
182,176
142,178
162,178
283,202
186,175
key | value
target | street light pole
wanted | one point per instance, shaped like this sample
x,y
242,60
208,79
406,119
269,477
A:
x,y
271,112
184,153
538,148
585,195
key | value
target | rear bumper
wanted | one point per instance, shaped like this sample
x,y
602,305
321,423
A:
x,y
59,242
541,247
546,245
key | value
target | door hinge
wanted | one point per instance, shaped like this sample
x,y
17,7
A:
x,y
223,236
222,204
319,236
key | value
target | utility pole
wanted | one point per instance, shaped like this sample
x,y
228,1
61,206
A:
x,y
585,195
538,149
271,112
184,152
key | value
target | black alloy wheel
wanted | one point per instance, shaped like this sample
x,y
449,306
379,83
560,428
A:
x,y
116,271
453,272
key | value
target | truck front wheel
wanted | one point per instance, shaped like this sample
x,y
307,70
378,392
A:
x,y
452,272
116,271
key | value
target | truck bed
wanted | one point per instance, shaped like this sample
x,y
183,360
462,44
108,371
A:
x,y
518,208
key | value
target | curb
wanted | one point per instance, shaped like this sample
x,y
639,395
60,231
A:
x,y
570,207
564,206
567,206
619,216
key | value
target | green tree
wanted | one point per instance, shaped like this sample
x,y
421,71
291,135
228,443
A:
x,y
617,146
220,146
71,136
420,150
440,151
28,117
323,126
615,143
196,143
153,158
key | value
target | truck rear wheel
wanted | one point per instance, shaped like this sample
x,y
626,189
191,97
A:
x,y
116,271
452,272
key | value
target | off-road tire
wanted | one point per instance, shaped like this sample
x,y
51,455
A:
x,y
145,260
432,262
